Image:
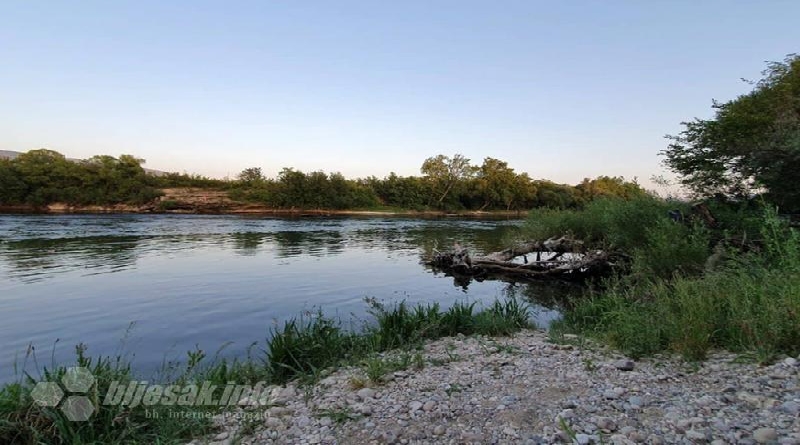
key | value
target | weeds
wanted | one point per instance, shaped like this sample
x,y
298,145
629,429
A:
x,y
338,416
750,302
301,348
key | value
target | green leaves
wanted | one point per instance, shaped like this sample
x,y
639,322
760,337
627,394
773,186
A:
x,y
752,145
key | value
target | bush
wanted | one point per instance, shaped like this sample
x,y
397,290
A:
x,y
605,222
751,303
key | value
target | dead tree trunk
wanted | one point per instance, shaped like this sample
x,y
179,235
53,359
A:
x,y
564,258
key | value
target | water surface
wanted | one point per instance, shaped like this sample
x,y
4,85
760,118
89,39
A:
x,y
155,286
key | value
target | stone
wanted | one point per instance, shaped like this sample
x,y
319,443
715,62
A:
x,y
636,402
765,435
438,430
624,365
366,393
414,406
613,394
696,436
791,407
606,424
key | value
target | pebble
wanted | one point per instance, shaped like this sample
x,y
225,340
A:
x,y
366,393
624,365
496,397
765,435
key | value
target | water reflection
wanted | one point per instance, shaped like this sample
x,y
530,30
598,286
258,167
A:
x,y
38,259
40,254
210,280
247,243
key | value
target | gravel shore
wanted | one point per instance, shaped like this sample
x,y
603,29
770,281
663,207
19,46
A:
x,y
526,389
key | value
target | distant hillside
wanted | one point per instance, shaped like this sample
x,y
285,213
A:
x,y
8,154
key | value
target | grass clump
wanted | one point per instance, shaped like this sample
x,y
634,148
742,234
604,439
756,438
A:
x,y
25,422
300,348
748,302
305,347
603,223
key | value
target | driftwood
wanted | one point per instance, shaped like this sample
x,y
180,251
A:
x,y
563,258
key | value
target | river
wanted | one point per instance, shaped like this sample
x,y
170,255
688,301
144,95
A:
x,y
151,287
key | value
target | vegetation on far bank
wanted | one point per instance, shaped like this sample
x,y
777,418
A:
x,y
302,348
42,177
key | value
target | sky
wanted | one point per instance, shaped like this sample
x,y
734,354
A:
x,y
562,90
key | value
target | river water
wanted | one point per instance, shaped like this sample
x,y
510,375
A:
x,y
151,287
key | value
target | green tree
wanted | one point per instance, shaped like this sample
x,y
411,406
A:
x,y
445,172
12,188
609,186
496,183
751,145
251,176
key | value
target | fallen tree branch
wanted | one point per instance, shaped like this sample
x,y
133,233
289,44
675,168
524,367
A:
x,y
571,261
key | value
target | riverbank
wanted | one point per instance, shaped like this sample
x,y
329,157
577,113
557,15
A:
x,y
189,200
530,389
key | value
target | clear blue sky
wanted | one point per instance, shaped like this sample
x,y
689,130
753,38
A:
x,y
562,90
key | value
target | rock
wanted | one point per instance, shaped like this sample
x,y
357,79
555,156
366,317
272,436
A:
x,y
624,365
583,439
414,406
613,394
302,421
279,411
389,437
282,396
366,393
791,407
438,430
565,414
606,424
696,436
276,424
636,402
508,431
790,361
765,435
430,405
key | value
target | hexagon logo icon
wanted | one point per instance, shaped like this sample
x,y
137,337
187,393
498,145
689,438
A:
x,y
47,394
78,379
77,408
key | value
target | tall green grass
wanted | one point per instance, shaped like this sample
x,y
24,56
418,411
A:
x,y
24,422
750,302
299,349
612,223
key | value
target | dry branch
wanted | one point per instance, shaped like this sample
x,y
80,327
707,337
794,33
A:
x,y
571,261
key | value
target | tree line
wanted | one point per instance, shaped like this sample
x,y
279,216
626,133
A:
x,y
446,183
41,177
